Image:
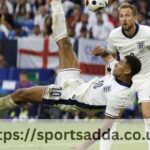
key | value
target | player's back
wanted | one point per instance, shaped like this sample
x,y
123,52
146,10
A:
x,y
138,45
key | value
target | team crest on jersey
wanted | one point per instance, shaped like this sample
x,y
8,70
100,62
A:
x,y
107,89
140,45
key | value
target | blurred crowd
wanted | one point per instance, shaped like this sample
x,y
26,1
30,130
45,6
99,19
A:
x,y
32,18
19,18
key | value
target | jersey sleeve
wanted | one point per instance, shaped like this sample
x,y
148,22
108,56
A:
x,y
113,112
118,102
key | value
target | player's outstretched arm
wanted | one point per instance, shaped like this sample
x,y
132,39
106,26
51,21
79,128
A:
x,y
100,51
33,94
107,124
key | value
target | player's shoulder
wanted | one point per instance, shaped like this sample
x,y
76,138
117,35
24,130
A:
x,y
144,28
115,32
144,31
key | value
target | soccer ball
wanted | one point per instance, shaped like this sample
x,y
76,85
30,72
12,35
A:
x,y
96,5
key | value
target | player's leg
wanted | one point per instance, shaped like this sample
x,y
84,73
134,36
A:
x,y
67,57
145,108
33,94
67,60
143,89
69,74
105,143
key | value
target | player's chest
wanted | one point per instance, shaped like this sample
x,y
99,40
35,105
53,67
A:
x,y
127,46
105,87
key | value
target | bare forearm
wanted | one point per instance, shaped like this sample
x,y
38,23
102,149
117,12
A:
x,y
105,128
99,51
108,58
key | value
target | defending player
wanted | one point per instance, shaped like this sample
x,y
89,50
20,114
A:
x,y
111,90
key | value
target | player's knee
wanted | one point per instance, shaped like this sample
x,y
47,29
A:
x,y
65,43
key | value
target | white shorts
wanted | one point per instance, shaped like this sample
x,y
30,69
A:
x,y
69,91
142,87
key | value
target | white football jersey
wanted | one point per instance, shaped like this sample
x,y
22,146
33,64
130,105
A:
x,y
138,45
110,92
93,95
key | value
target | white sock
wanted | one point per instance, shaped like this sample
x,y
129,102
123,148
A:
x,y
105,144
147,131
6,102
59,20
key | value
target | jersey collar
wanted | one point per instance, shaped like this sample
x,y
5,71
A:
x,y
122,83
136,31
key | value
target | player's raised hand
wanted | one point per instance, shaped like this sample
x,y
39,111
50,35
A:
x,y
98,51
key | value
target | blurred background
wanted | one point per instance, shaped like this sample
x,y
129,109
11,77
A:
x,y
29,55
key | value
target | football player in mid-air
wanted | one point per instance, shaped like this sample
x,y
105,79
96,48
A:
x,y
71,93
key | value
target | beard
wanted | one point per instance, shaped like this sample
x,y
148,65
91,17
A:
x,y
127,28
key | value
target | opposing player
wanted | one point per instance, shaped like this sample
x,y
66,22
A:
x,y
112,90
134,39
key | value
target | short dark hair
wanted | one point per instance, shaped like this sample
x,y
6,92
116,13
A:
x,y
134,63
127,5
